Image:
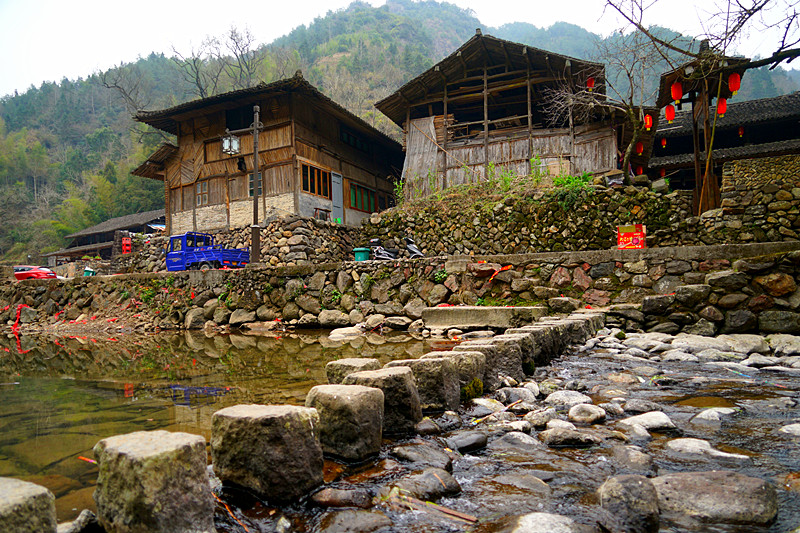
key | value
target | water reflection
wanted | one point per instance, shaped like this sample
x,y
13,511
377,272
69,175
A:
x,y
59,396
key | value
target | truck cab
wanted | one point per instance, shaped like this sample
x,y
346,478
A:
x,y
197,251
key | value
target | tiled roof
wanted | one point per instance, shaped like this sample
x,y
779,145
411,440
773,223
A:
x,y
738,114
124,222
728,154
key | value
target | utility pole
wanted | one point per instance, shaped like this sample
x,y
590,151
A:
x,y
255,235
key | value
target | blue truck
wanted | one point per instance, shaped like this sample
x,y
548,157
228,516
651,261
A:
x,y
197,251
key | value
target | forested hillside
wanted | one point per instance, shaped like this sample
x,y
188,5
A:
x,y
66,149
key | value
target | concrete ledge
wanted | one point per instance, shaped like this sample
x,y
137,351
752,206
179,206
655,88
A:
x,y
469,317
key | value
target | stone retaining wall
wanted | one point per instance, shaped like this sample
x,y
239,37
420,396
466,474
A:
x,y
395,293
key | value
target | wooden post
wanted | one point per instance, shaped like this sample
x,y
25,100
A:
x,y
227,200
530,113
444,141
167,205
485,125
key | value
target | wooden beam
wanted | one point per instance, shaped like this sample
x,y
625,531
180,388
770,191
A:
x,y
485,124
444,141
530,113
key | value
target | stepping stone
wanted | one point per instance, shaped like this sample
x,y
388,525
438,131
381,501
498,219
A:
x,y
153,481
272,449
401,405
26,506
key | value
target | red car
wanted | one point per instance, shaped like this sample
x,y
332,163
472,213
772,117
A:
x,y
33,272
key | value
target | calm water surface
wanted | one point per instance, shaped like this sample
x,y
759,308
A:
x,y
59,396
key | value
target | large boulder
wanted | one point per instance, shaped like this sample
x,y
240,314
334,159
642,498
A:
x,y
26,507
717,496
401,406
194,319
437,382
273,450
153,481
350,419
337,370
630,504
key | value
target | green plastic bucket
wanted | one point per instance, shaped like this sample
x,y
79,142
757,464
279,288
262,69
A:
x,y
362,254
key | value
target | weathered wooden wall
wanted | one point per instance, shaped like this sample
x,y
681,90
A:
x,y
429,168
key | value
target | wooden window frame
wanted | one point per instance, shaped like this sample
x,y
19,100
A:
x,y
365,198
315,181
201,193
250,180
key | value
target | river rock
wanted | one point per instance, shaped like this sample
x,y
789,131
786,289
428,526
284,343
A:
x,y
774,321
717,496
26,507
791,429
241,316
351,521
652,421
539,419
566,398
638,405
194,319
437,382
702,447
429,485
401,405
467,441
153,481
271,449
713,414
630,504
586,413
783,345
557,423
423,454
333,318
633,460
546,523
564,437
350,420
509,395
330,497
426,426
337,370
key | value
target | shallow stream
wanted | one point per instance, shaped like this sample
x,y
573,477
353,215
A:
x,y
58,397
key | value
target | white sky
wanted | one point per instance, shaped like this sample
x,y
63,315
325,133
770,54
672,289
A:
x,y
48,40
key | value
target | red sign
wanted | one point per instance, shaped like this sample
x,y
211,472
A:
x,y
631,237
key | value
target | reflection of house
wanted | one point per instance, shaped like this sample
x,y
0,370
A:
x,y
316,158
753,129
99,240
484,107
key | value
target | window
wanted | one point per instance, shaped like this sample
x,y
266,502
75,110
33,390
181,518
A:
x,y
260,186
201,190
316,181
362,199
348,136
240,118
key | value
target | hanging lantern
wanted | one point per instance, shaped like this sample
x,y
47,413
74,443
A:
x,y
722,106
648,122
662,172
734,82
741,131
677,92
639,148
590,84
663,142
639,171
669,113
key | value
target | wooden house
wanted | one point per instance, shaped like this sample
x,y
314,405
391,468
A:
x,y
748,130
483,109
101,239
315,157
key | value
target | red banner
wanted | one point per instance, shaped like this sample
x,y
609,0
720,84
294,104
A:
x,y
631,237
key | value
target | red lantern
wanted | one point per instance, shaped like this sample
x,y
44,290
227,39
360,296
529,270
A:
x,y
639,148
648,122
663,142
741,131
677,92
722,106
590,84
734,82
669,113
662,172
639,170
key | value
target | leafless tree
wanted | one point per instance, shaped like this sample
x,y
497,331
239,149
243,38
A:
x,y
632,63
729,23
128,82
201,67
